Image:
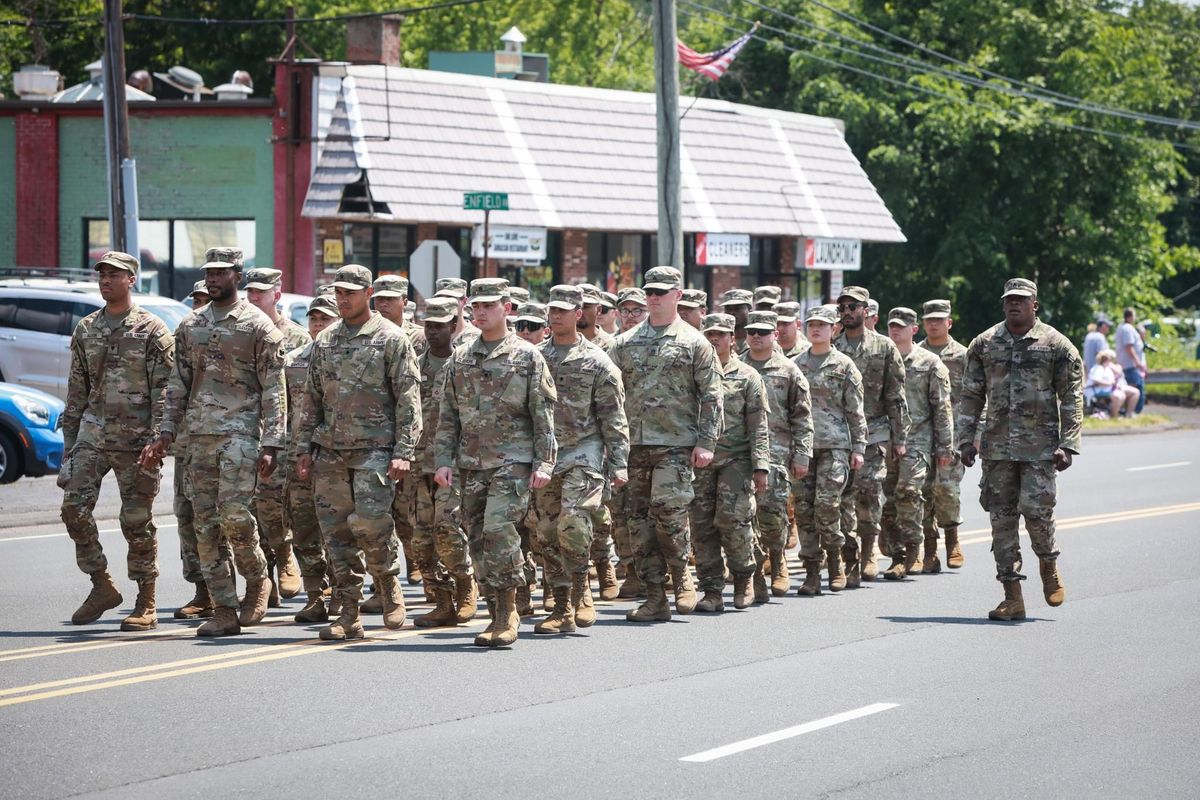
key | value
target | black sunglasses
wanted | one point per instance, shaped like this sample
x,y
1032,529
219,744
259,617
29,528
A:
x,y
658,292
523,326
849,306
758,332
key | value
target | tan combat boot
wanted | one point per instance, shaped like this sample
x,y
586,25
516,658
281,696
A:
x,y
606,577
466,598
1052,585
348,625
1013,605
443,615
524,601
289,571
780,579
954,555
853,569
547,595
685,590
837,575
793,540
503,630
374,604
655,609
145,615
897,569
224,622
867,559
394,612
314,610
562,619
104,595
582,605
413,572
741,591
762,593
812,579
633,586
199,606
711,603
254,605
932,564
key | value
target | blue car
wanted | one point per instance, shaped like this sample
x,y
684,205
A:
x,y
29,442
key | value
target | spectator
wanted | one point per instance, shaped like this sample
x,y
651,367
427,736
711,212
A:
x,y
1131,356
1097,340
1108,385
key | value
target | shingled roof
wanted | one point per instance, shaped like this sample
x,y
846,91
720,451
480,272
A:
x,y
404,144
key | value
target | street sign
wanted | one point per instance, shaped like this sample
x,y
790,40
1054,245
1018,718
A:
x,y
485,201
430,262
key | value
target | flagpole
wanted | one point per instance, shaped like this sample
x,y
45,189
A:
x,y
666,93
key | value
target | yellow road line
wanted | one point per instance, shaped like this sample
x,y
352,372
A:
x,y
1095,519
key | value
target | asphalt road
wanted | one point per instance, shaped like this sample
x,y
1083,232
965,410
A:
x,y
894,690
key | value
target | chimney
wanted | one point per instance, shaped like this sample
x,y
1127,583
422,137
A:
x,y
374,40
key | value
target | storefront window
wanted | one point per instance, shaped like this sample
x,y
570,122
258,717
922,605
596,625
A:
x,y
381,248
618,260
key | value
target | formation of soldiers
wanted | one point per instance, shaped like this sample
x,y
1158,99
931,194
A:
x,y
468,454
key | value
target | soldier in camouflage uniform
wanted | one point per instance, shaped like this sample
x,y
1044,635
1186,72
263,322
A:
x,y
607,316
456,289
787,329
121,358
1030,377
791,447
530,325
886,409
941,492
264,286
693,306
631,307
722,512
228,391
839,441
871,320
299,501
199,295
588,322
673,403
593,452
439,542
930,439
767,297
496,429
357,435
737,303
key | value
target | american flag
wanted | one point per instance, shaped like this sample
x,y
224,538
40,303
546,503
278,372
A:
x,y
712,65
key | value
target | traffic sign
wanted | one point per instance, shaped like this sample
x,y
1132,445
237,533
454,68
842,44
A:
x,y
430,262
485,201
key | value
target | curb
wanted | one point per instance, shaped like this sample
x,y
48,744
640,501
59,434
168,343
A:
x,y
1130,431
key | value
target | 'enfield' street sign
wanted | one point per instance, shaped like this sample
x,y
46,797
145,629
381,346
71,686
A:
x,y
485,201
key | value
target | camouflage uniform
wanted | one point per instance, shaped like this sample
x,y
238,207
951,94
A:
x,y
722,512
114,408
839,429
228,391
593,448
495,428
1032,386
941,492
300,504
886,409
930,436
673,403
361,411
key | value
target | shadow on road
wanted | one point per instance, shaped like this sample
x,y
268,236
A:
x,y
961,620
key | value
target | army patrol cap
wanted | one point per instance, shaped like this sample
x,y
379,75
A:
x,y
223,258
827,314
694,298
489,290
767,294
762,320
199,287
324,304
873,308
441,309
115,258
663,278
787,312
390,286
902,315
591,294
717,322
737,297
855,293
631,294
518,295
1021,287
566,297
325,288
608,300
935,309
450,287
532,312
354,277
263,278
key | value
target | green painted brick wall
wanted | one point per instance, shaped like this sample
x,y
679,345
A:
x,y
188,168
8,192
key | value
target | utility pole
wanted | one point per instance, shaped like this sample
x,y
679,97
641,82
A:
x,y
122,170
666,95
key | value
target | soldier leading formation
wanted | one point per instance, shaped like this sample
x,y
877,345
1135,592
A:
x,y
468,454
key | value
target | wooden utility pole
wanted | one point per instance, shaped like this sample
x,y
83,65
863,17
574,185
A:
x,y
122,171
666,94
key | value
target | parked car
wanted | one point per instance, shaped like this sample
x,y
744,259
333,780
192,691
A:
x,y
36,323
29,442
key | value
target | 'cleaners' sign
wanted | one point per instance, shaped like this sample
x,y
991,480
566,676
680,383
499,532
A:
x,y
723,249
833,254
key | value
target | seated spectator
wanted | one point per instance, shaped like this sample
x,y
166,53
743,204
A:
x,y
1107,383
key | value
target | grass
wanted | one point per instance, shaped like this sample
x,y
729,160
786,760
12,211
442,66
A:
x,y
1172,354
1121,423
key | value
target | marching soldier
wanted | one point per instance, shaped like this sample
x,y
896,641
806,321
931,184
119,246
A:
x,y
736,303
693,306
787,330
